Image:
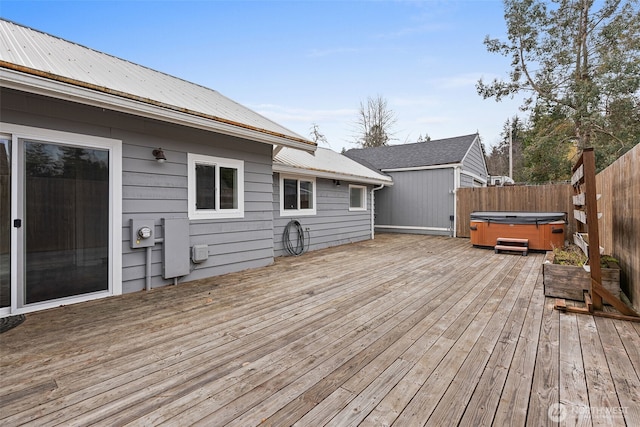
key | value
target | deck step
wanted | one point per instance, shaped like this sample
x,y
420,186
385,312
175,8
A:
x,y
511,248
512,240
512,244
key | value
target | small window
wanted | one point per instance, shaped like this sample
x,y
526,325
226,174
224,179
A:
x,y
357,198
216,187
297,196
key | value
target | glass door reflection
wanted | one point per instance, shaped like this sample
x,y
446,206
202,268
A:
x,y
66,221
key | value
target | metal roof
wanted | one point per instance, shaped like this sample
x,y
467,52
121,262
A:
x,y
28,52
325,163
420,154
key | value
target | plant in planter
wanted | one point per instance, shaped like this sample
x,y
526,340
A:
x,y
573,255
565,277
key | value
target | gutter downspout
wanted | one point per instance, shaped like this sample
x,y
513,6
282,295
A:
x,y
456,184
373,206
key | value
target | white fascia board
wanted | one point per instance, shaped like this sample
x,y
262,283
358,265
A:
x,y
411,227
469,149
291,170
41,86
423,168
276,150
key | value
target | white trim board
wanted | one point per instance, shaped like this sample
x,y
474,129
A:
x,y
291,170
409,227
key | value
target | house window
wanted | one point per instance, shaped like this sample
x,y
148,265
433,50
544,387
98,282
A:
x,y
216,187
357,198
297,196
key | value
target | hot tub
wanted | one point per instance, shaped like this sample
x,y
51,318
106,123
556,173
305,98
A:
x,y
544,230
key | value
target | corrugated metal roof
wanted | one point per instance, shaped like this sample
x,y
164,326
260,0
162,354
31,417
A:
x,y
437,152
328,164
37,53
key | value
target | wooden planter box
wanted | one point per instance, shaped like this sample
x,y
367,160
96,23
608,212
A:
x,y
569,282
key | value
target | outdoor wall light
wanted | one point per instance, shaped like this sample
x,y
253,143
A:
x,y
336,182
159,155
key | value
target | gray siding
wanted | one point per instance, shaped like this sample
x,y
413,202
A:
x,y
157,192
417,199
333,223
466,181
474,163
154,191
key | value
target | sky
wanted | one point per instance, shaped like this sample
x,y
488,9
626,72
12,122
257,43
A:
x,y
308,62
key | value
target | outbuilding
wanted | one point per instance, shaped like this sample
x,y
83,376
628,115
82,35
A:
x,y
426,176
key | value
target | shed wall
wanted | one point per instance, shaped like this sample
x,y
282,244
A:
x,y
420,200
466,181
474,162
153,191
332,225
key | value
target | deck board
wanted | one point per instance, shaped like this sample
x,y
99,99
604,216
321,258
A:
x,y
602,392
400,330
482,406
572,382
625,377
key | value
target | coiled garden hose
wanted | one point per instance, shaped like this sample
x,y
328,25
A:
x,y
286,238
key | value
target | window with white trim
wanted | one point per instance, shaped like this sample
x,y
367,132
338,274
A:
x,y
357,198
297,196
216,187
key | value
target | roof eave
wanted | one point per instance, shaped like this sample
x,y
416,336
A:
x,y
286,169
101,97
420,168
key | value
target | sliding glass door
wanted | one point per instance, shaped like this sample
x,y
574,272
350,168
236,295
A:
x,y
60,218
65,231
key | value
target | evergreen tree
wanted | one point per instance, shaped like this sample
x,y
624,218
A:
x,y
579,64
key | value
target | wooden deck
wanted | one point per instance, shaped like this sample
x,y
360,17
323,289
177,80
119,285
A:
x,y
403,330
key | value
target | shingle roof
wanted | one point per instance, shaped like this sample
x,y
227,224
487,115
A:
x,y
325,163
432,153
25,51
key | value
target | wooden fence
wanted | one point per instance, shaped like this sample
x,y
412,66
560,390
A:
x,y
539,198
619,227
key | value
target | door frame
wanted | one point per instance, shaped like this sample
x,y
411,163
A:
x,y
114,146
